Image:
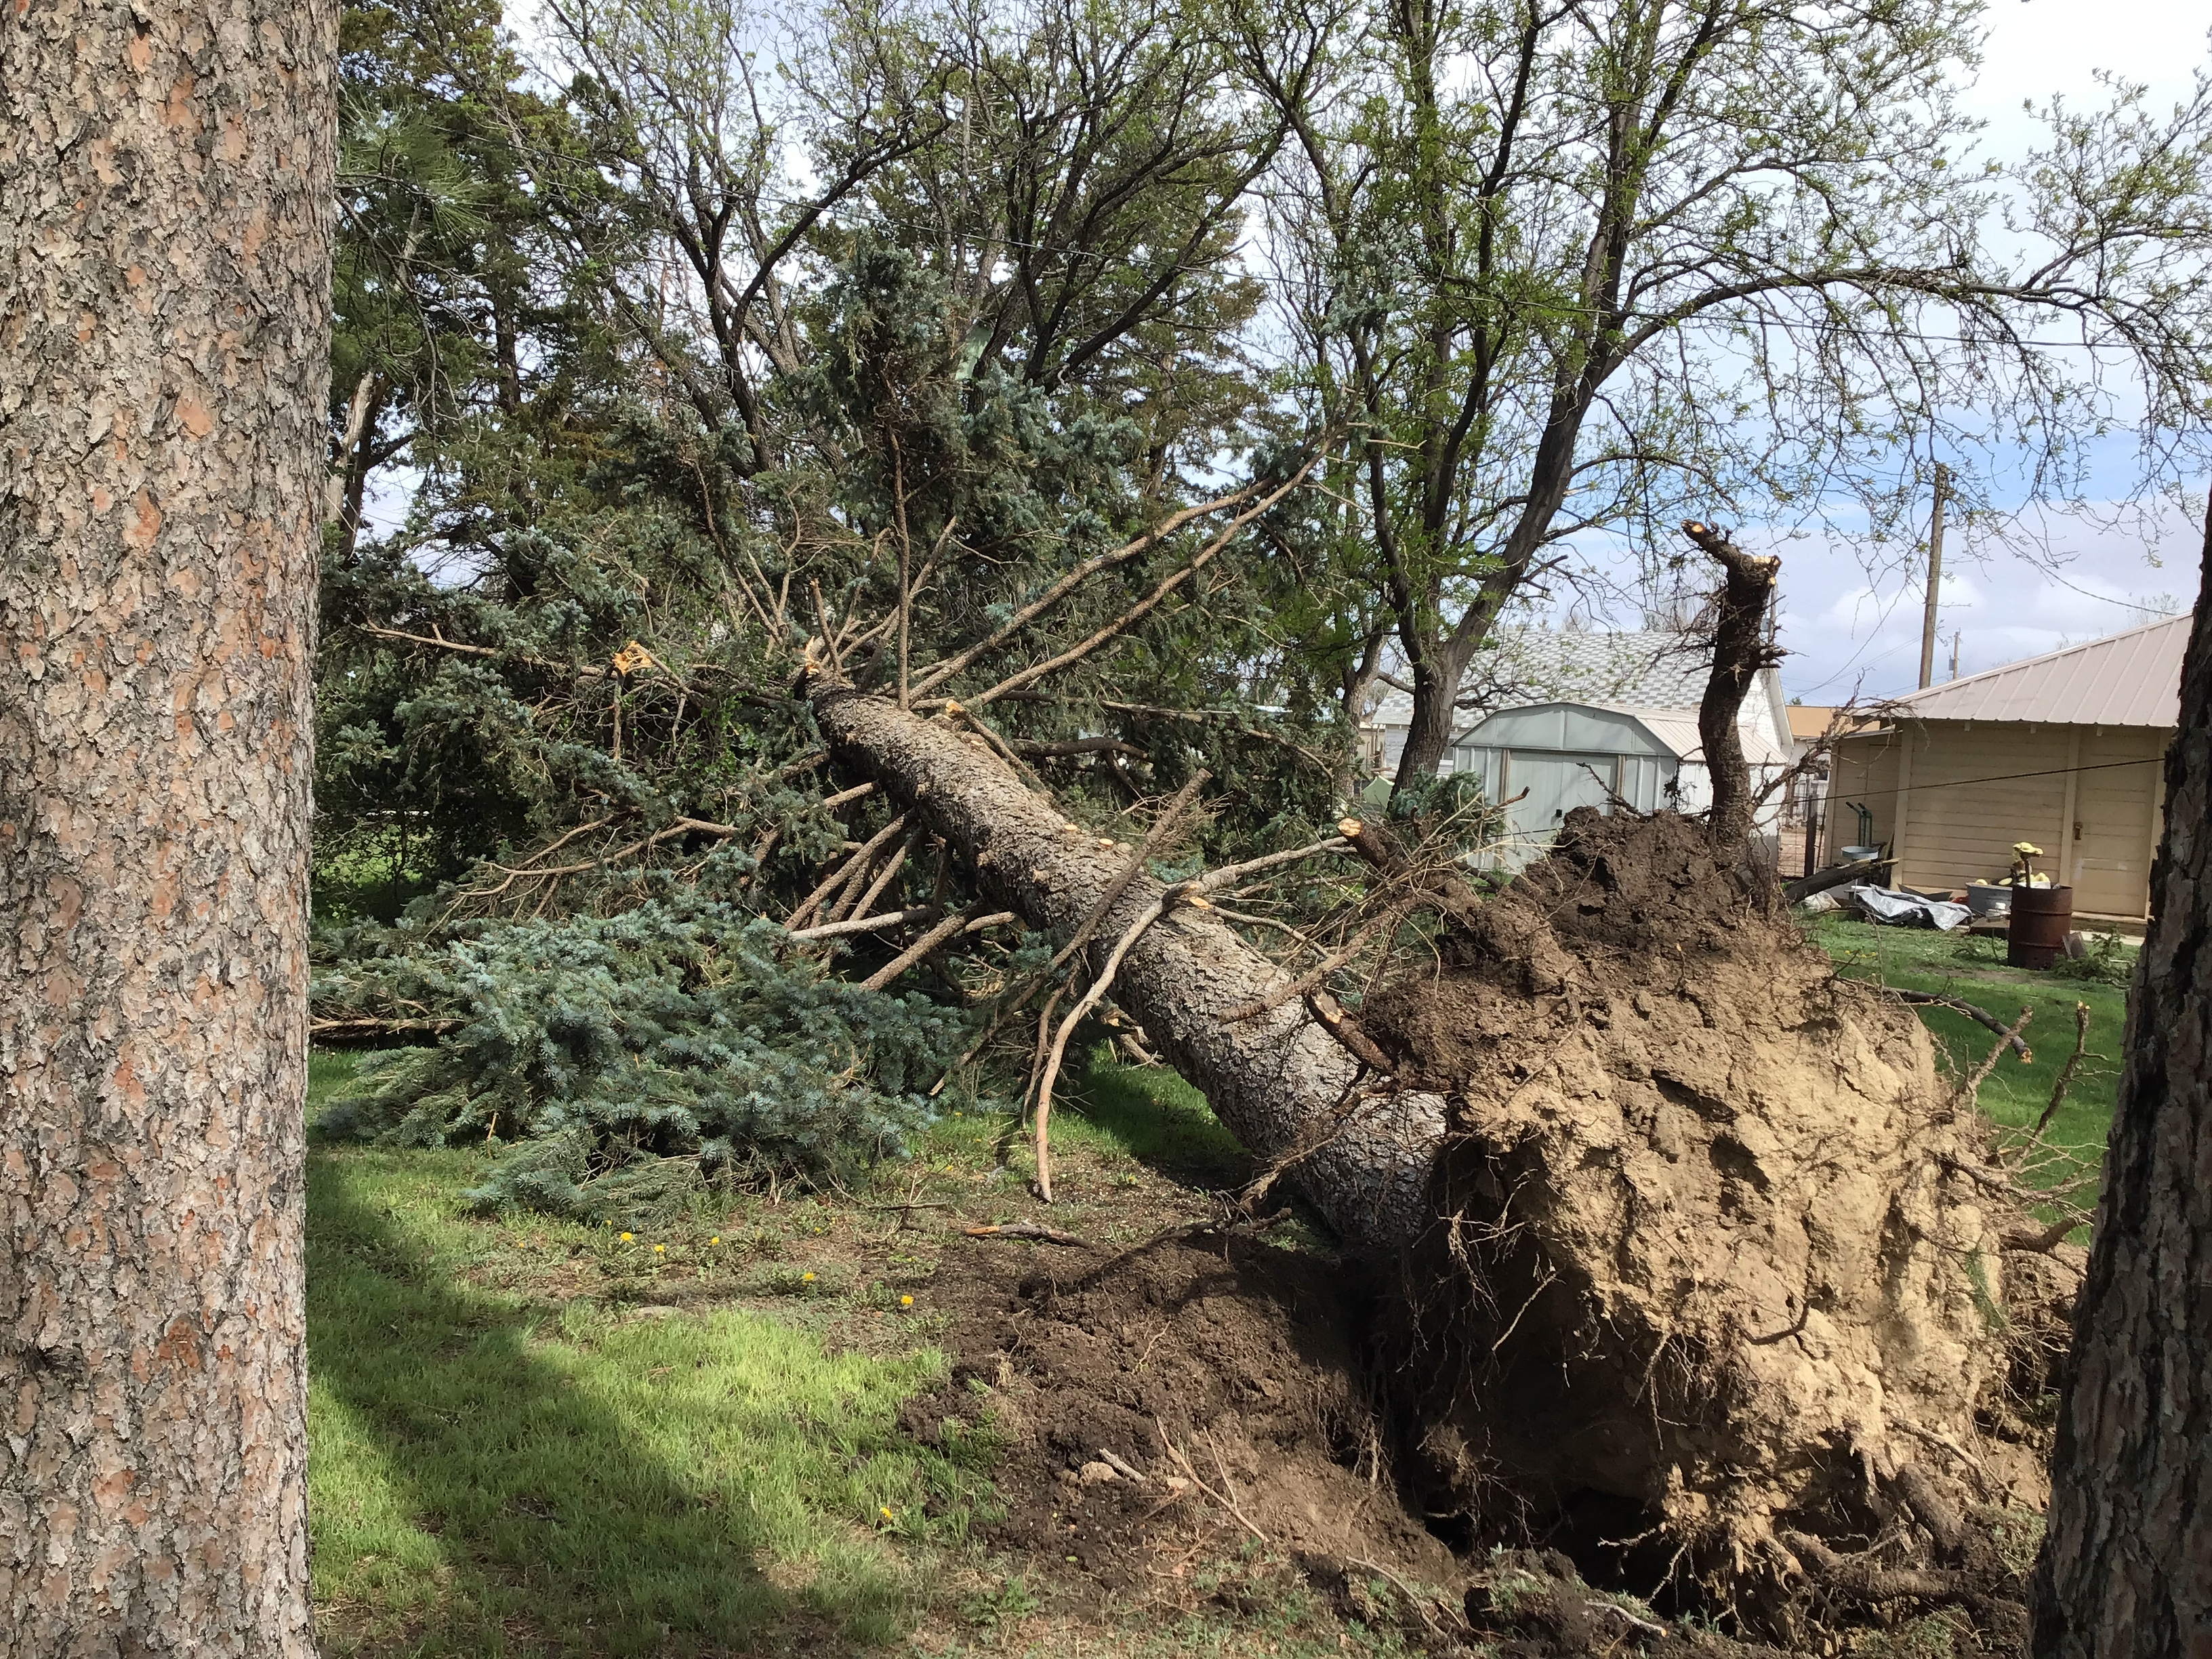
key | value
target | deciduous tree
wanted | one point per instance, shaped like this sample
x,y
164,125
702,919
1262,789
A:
x,y
1578,267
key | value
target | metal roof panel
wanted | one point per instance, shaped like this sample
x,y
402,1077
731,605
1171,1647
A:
x,y
2129,678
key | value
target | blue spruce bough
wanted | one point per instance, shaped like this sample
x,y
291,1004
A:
x,y
638,1057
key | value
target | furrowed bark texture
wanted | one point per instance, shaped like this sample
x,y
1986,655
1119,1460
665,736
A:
x,y
1279,1080
166,178
2126,1570
1739,651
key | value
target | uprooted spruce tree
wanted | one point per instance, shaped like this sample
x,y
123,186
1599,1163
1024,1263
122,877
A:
x,y
1698,1251
825,673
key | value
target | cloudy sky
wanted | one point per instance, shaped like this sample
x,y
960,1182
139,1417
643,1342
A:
x,y
2085,579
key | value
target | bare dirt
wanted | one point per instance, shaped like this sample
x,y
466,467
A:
x,y
1716,1310
1225,1376
1717,1296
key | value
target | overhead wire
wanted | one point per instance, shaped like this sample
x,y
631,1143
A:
x,y
1918,784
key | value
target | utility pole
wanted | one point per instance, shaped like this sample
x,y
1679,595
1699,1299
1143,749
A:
x,y
1935,576
1955,637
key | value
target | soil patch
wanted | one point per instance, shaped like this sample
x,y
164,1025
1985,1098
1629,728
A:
x,y
1219,1369
1222,1376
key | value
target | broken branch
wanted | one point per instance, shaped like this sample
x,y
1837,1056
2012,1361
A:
x,y
967,922
1980,1016
1089,1000
864,924
1025,1229
937,673
2065,1079
1150,602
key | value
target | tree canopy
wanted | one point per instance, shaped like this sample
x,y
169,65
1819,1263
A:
x,y
1136,385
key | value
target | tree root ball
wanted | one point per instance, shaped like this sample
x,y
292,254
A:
x,y
1716,1260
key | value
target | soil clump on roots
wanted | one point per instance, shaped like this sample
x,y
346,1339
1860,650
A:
x,y
1223,1378
1716,1309
1718,1298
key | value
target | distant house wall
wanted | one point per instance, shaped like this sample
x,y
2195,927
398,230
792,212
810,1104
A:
x,y
1862,771
1950,797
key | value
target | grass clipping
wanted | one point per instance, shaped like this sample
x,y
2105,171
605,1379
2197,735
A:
x,y
1718,1263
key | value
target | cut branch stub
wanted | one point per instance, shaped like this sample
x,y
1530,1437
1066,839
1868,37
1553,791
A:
x,y
1274,1080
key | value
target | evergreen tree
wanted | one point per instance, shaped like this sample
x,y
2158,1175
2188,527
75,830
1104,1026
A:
x,y
702,426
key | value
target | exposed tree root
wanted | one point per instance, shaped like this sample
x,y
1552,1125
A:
x,y
1712,1263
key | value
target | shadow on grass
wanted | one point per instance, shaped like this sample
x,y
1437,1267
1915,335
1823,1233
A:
x,y
489,1478
1160,1119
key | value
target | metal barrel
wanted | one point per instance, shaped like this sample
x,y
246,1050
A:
x,y
2041,919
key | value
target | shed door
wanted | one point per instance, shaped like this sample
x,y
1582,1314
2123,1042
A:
x,y
1556,784
2115,809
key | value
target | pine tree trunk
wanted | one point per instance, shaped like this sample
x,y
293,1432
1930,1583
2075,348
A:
x,y
165,177
1279,1081
2126,1570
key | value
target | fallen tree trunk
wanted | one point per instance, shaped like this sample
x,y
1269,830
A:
x,y
1701,1249
1357,1148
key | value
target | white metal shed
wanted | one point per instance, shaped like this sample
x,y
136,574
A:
x,y
1546,759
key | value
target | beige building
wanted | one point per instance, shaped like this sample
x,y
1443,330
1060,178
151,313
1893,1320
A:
x,y
2061,750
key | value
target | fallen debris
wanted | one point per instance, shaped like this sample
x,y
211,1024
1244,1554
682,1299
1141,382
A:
x,y
1025,1229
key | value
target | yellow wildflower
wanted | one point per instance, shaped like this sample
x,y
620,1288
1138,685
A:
x,y
806,1278
625,1239
716,1239
660,1249
906,1302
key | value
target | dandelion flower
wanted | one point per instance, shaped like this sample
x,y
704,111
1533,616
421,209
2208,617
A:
x,y
716,1239
625,1239
884,1509
807,1278
660,1249
906,1302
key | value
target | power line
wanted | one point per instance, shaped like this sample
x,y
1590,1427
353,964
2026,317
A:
x,y
1917,784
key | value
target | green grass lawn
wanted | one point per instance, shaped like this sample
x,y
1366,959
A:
x,y
534,1437
528,1436
501,1466
1973,970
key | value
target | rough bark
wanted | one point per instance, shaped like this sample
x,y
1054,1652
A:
x,y
1437,678
165,217
1281,1082
1739,651
2126,1569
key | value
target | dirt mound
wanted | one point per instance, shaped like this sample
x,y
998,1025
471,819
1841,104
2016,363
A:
x,y
1222,1376
1716,1294
1219,1370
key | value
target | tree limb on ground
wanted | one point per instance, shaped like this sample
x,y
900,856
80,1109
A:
x,y
1980,1016
1269,1079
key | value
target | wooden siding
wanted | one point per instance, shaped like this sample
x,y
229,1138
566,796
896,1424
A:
x,y
1862,770
2118,812
1952,797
